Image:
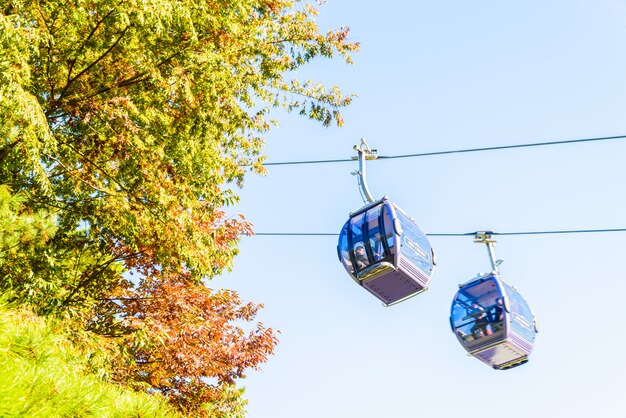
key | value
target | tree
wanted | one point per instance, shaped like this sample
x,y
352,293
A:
x,y
132,121
195,350
23,235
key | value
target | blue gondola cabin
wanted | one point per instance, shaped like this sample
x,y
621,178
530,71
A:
x,y
493,322
384,251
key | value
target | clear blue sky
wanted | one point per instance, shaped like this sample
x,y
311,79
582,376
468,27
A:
x,y
439,75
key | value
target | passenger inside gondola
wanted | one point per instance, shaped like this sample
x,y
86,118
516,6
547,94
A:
x,y
361,257
497,315
481,327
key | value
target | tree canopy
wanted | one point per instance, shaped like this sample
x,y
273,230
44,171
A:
x,y
124,127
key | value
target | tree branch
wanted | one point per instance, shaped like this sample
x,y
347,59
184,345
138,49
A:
x,y
93,31
136,79
87,278
82,46
5,150
93,64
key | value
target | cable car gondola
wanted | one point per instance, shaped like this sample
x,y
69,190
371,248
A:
x,y
383,249
491,320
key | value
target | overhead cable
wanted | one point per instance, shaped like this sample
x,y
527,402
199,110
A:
x,y
460,234
458,151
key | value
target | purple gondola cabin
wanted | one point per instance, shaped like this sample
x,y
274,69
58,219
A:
x,y
493,322
384,251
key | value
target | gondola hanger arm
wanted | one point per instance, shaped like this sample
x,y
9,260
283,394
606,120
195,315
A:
x,y
364,152
486,237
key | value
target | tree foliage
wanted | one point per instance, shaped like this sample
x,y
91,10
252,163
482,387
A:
x,y
132,121
43,375
196,349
